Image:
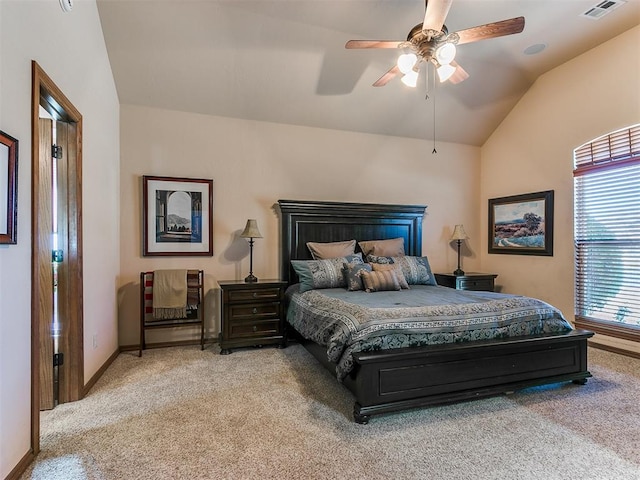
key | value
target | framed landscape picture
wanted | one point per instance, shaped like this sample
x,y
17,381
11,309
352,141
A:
x,y
177,216
522,224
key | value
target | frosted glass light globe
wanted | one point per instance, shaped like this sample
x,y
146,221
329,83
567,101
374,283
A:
x,y
446,53
406,62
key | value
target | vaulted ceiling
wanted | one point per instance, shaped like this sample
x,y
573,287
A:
x,y
284,61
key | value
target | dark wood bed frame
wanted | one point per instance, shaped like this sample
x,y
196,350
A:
x,y
392,380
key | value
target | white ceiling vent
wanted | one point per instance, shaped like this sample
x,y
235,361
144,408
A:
x,y
602,8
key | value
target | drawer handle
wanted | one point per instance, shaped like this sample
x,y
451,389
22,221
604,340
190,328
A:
x,y
255,328
255,310
255,294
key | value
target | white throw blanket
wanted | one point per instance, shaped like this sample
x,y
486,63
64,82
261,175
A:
x,y
169,294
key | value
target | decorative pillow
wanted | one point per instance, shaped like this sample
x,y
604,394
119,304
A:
x,y
380,281
379,267
323,273
353,275
322,251
416,270
393,247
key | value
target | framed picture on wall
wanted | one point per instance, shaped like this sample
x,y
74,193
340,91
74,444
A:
x,y
177,216
8,189
522,224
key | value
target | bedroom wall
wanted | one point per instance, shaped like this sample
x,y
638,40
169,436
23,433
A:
x,y
70,48
253,164
532,150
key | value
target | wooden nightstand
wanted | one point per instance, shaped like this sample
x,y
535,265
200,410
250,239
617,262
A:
x,y
252,314
468,281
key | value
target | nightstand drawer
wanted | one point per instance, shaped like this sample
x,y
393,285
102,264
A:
x,y
469,281
253,311
475,284
262,294
251,329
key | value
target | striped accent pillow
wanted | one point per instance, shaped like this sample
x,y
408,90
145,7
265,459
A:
x,y
380,281
397,269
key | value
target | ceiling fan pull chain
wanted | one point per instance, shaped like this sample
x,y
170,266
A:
x,y
426,78
426,81
434,113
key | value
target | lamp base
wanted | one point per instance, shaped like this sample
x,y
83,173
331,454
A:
x,y
251,278
458,272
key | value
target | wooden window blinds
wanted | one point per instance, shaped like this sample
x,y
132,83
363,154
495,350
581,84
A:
x,y
607,234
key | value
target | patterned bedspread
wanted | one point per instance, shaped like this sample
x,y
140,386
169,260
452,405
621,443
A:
x,y
349,322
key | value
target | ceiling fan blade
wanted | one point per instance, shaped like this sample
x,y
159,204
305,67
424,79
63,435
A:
x,y
384,79
460,75
372,44
491,30
435,14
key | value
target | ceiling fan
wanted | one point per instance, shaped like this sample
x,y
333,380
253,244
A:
x,y
430,41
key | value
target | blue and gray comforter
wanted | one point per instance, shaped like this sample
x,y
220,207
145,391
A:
x,y
349,322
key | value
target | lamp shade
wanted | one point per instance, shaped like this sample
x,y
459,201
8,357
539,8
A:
x,y
251,230
459,233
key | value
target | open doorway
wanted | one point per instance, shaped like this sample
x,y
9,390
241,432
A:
x,y
57,354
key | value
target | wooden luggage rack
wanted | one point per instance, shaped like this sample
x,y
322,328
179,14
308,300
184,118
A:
x,y
195,316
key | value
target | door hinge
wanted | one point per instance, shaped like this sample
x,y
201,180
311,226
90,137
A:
x,y
57,256
58,359
56,151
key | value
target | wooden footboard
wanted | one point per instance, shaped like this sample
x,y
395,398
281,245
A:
x,y
392,380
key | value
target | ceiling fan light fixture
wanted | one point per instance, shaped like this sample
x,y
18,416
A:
x,y
445,72
406,62
431,42
445,53
410,79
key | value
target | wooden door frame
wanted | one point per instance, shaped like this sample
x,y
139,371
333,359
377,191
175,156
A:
x,y
44,90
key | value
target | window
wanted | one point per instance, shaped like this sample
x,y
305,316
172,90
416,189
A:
x,y
607,234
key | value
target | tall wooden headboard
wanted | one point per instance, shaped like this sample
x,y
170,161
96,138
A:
x,y
308,221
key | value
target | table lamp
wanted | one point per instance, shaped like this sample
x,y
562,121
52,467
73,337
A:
x,y
251,231
459,235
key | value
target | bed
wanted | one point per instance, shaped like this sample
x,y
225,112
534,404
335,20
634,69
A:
x,y
393,379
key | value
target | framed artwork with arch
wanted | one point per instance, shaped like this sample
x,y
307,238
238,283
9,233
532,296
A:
x,y
177,216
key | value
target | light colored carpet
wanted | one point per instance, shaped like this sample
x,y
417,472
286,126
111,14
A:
x,y
180,413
